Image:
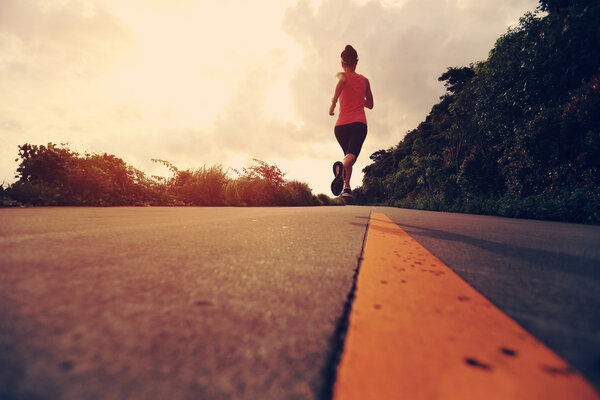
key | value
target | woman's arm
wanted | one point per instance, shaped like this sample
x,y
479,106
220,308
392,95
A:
x,y
369,97
338,90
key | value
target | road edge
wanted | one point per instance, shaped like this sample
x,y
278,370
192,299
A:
x,y
338,339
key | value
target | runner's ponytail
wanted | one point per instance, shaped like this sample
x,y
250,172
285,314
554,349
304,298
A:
x,y
349,56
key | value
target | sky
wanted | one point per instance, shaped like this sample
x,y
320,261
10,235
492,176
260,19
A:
x,y
203,83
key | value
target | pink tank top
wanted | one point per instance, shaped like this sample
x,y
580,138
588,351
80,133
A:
x,y
352,100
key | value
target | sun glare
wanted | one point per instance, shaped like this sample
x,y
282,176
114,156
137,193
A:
x,y
189,61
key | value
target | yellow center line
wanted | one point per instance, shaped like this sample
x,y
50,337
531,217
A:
x,y
418,331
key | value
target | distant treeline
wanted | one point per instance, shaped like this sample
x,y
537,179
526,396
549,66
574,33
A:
x,y
515,135
54,175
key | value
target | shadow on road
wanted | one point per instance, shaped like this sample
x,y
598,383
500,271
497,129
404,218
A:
x,y
587,267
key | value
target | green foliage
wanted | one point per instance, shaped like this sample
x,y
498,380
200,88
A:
x,y
516,135
270,174
263,184
324,200
201,187
246,191
55,175
5,198
295,193
457,78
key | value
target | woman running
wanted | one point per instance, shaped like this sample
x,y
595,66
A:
x,y
354,93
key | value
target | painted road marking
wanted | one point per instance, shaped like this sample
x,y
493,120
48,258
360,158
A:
x,y
418,331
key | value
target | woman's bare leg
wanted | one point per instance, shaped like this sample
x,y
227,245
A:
x,y
348,162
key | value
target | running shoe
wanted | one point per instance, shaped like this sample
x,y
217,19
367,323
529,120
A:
x,y
347,193
338,182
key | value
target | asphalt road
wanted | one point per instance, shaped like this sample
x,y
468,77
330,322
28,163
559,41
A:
x,y
173,303
244,303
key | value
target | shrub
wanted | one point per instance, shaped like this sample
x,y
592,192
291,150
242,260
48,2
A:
x,y
201,187
54,175
294,193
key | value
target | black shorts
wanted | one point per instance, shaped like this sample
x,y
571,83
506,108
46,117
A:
x,y
351,137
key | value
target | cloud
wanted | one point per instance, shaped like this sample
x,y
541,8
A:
x,y
51,57
58,40
250,124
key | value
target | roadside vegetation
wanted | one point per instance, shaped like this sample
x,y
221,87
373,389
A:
x,y
53,175
515,135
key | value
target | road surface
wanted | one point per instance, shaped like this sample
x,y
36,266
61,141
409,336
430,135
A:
x,y
245,303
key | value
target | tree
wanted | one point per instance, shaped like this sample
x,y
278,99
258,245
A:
x,y
516,134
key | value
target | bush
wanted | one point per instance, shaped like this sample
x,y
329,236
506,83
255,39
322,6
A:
x,y
6,200
54,175
294,193
246,191
201,187
35,194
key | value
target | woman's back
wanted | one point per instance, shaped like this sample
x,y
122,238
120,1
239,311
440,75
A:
x,y
352,100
